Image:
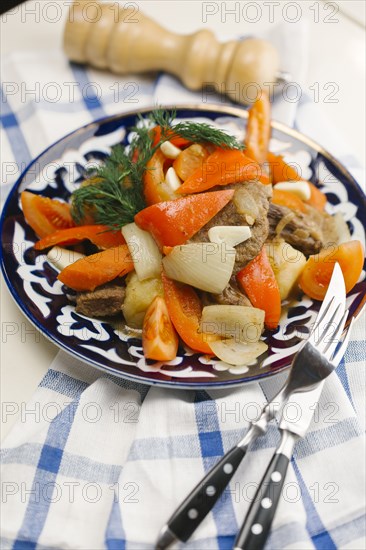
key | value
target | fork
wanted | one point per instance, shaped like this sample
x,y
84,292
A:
x,y
304,374
257,523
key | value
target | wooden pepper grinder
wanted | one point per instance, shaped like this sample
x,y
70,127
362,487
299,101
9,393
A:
x,y
124,40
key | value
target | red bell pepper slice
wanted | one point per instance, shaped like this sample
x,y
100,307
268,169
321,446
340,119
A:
x,y
174,222
259,283
185,310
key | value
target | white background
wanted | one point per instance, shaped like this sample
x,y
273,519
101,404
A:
x,y
336,54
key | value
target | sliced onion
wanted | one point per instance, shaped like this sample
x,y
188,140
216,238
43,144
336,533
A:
x,y
237,353
144,251
207,266
242,323
341,228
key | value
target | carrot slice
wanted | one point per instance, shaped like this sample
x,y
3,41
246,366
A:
x,y
259,283
286,198
259,129
97,269
316,275
159,339
317,199
223,167
185,310
281,171
100,235
174,222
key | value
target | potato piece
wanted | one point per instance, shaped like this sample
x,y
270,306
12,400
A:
x,y
287,264
241,323
139,295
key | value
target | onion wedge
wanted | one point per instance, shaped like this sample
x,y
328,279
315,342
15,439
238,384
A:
x,y
237,353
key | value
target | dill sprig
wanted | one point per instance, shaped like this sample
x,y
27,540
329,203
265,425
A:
x,y
198,132
113,193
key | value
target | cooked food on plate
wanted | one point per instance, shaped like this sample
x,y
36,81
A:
x,y
194,237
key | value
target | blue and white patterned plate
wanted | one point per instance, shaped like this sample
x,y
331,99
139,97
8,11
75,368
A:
x,y
111,347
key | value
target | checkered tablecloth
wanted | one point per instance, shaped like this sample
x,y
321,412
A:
x,y
97,462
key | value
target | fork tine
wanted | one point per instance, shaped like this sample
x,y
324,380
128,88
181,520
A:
x,y
335,294
332,316
322,312
331,346
338,356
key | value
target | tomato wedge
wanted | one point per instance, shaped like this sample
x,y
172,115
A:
x,y
174,222
315,278
100,235
259,283
185,310
45,215
286,198
97,269
155,188
222,167
259,129
281,171
159,339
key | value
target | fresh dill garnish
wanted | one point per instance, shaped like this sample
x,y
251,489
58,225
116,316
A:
x,y
197,132
113,193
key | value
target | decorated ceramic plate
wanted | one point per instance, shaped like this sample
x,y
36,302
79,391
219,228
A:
x,y
112,347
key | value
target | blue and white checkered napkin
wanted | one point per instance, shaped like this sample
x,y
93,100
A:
x,y
105,462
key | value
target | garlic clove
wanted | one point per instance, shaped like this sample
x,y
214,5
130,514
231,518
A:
x,y
172,179
299,188
231,235
169,150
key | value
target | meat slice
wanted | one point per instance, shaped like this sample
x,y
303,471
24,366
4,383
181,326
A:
x,y
249,207
231,295
104,301
298,229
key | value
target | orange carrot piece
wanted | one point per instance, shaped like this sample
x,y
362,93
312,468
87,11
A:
x,y
97,269
100,235
281,171
223,167
259,129
286,198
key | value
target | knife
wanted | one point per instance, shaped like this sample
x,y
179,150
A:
x,y
258,521
202,499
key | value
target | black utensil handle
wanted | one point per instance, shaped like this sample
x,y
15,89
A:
x,y
257,524
202,499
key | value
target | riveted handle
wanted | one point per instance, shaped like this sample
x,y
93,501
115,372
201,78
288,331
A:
x,y
257,523
204,496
